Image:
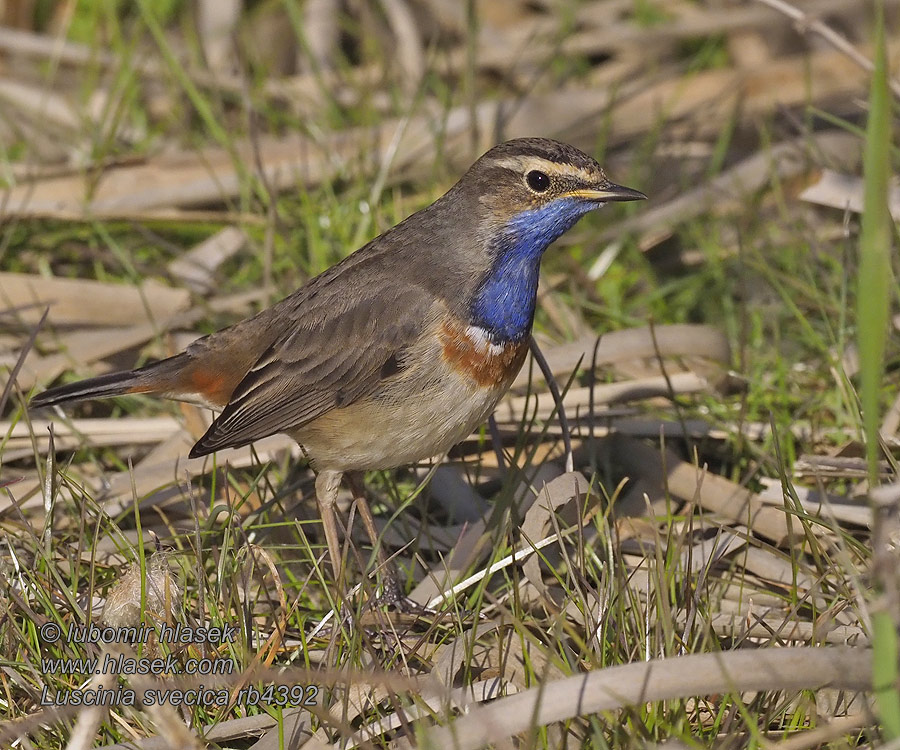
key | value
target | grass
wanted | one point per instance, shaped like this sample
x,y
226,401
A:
x,y
664,579
873,310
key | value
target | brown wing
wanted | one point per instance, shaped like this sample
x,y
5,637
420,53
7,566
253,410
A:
x,y
335,352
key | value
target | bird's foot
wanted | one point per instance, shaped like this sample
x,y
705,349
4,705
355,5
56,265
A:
x,y
394,599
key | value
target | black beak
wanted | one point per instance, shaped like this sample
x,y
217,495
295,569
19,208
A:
x,y
613,192
608,193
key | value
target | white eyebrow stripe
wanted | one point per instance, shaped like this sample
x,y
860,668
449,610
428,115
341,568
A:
x,y
526,163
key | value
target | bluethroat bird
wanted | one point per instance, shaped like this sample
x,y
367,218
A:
x,y
403,348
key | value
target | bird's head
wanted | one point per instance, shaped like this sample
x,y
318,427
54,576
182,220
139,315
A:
x,y
519,198
534,189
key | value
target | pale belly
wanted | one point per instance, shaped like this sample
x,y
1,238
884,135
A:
x,y
398,428
449,384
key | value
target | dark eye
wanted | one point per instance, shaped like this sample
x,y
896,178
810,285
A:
x,y
537,181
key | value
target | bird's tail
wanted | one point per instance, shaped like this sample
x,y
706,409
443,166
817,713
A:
x,y
156,378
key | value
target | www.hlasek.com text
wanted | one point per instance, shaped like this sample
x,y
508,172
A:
x,y
141,665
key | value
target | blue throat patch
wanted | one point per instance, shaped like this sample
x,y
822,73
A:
x,y
504,303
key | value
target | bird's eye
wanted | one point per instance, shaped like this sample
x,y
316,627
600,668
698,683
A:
x,y
537,181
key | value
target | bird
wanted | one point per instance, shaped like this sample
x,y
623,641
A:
x,y
400,350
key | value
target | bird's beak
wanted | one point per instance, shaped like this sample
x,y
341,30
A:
x,y
608,193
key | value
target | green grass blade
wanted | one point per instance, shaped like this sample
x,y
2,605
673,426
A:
x,y
875,265
872,322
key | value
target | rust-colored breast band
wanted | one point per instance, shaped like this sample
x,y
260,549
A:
x,y
479,360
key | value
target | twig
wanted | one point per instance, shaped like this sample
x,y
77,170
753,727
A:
x,y
608,689
804,23
554,390
23,354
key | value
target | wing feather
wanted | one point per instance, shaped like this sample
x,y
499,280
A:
x,y
332,356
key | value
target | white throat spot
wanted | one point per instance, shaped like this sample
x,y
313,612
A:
x,y
482,339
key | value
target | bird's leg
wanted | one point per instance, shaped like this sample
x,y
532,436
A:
x,y
354,480
392,589
327,485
